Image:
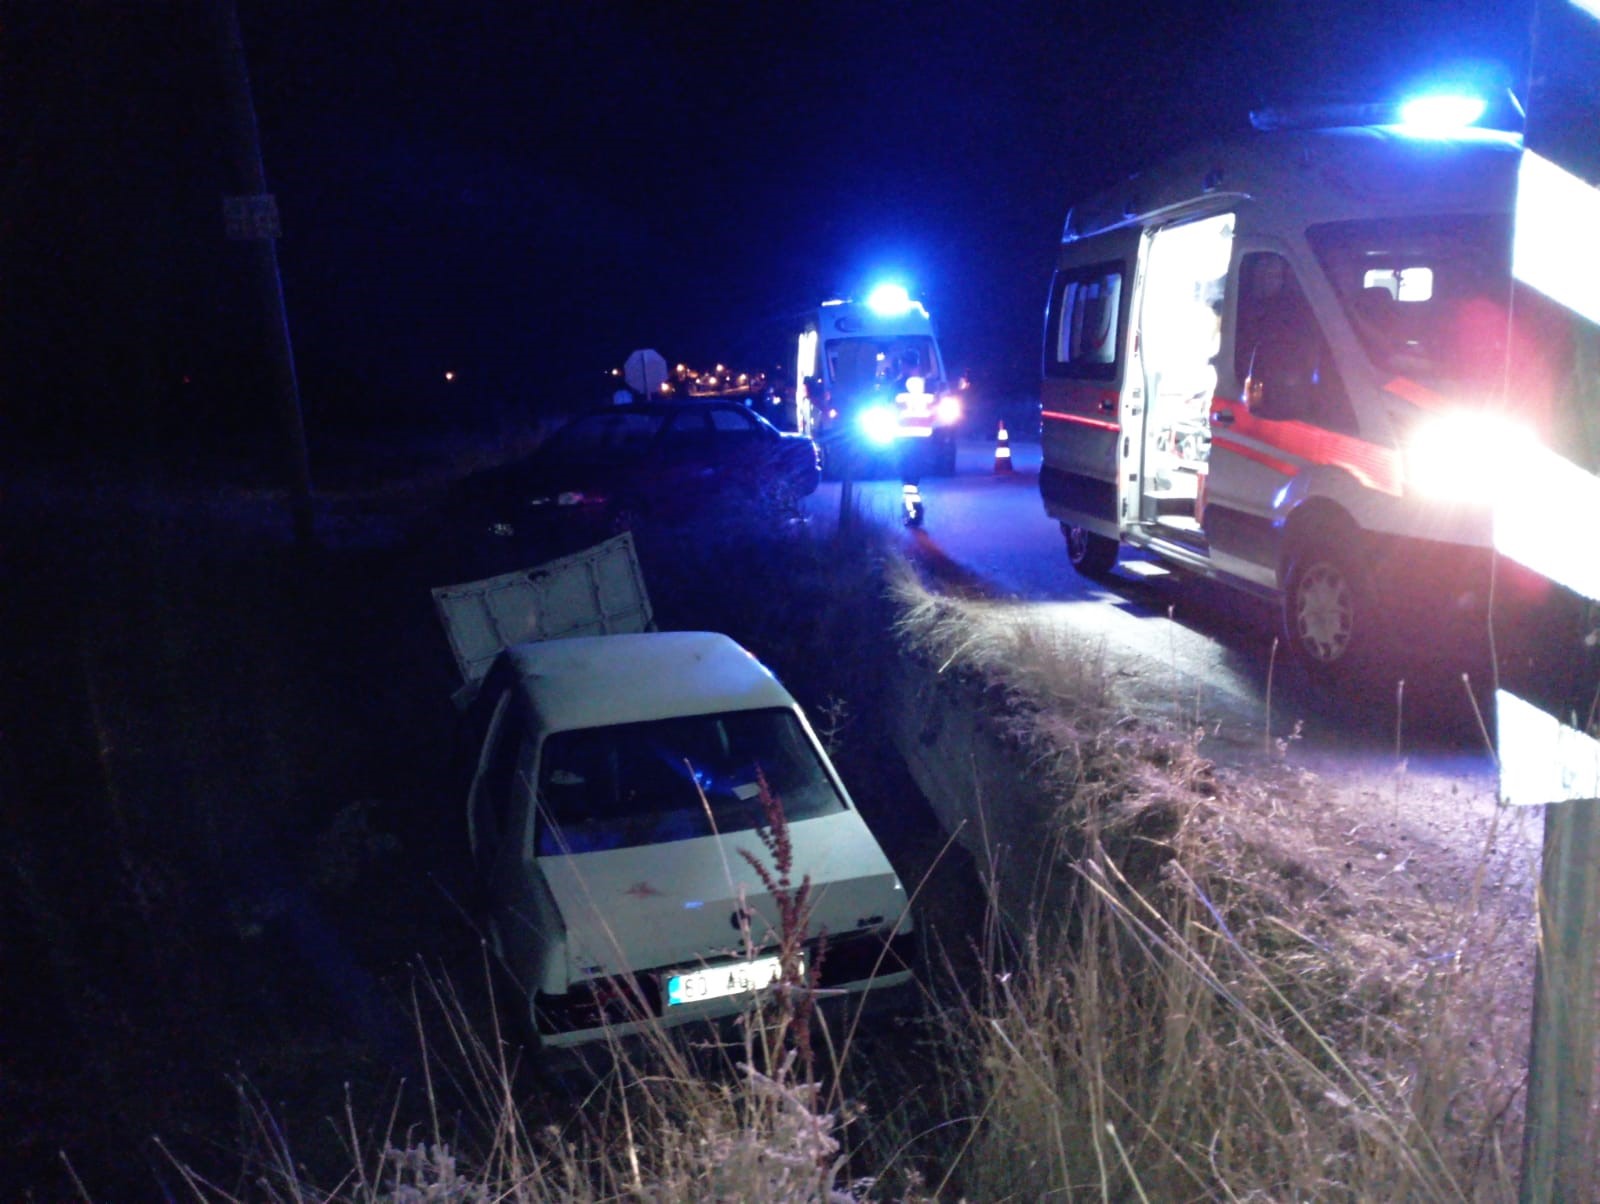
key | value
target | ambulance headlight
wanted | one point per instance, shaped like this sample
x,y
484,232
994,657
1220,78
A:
x,y
1468,457
879,423
949,409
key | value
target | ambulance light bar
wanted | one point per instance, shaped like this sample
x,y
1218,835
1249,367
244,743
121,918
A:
x,y
1441,112
889,300
1436,113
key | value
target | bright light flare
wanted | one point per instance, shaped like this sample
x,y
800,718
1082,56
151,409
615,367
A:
x,y
1469,457
949,410
1441,114
1489,460
879,424
889,300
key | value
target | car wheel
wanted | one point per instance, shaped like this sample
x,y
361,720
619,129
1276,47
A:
x,y
1329,621
1091,554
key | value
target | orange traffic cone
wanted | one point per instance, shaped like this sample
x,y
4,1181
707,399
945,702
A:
x,y
1002,450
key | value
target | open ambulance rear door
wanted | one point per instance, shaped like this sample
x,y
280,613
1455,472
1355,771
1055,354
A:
x,y
1088,351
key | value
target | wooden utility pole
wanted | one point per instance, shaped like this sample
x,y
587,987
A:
x,y
1557,1153
252,217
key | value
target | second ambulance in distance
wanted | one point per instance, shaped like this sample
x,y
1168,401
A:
x,y
870,380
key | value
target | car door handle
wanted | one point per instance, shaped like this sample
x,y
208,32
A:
x,y
1108,406
1222,417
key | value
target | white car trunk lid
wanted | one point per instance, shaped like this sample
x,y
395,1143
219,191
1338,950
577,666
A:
x,y
680,903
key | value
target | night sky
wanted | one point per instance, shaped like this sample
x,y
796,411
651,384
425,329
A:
x,y
522,193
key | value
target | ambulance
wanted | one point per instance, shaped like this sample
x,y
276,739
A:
x,y
1296,363
871,384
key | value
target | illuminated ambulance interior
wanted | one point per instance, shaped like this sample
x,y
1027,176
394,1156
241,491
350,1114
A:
x,y
1180,336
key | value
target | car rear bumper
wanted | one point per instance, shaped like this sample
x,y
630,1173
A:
x,y
871,995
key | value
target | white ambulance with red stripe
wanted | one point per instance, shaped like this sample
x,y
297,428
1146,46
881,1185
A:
x,y
1282,362
870,378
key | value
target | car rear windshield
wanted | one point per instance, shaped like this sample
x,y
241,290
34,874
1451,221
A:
x,y
675,779
605,435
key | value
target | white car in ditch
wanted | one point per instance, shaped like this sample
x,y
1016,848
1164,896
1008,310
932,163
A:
x,y
615,793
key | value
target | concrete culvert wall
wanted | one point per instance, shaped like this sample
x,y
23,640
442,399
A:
x,y
1024,760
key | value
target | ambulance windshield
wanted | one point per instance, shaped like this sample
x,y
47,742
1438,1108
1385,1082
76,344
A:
x,y
860,364
1431,300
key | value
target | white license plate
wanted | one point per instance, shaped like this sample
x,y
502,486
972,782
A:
x,y
718,982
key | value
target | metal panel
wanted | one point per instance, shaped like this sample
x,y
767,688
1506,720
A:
x,y
599,591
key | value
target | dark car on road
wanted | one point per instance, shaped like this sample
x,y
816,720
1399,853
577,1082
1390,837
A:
x,y
640,463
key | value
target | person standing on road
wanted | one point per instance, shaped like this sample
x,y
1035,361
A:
x,y
907,450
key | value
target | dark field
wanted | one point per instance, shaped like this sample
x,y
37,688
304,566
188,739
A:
x,y
231,835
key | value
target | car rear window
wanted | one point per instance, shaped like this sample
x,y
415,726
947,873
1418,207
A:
x,y
614,432
635,784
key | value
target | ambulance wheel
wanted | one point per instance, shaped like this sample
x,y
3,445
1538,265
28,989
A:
x,y
1329,620
1092,555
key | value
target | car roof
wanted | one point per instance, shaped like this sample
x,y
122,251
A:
x,y
595,681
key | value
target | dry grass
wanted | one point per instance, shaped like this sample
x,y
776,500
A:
x,y
672,1116
1224,1019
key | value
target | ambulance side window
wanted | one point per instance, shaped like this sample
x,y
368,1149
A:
x,y
1280,352
1084,338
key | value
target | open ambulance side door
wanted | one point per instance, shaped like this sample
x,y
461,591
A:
x,y
1281,411
1088,349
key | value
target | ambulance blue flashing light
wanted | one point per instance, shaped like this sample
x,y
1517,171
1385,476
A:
x,y
889,300
1435,113
1441,113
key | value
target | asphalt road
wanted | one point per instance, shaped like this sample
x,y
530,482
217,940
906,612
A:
x,y
1196,650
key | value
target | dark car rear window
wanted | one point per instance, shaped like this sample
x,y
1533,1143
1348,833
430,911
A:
x,y
612,433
